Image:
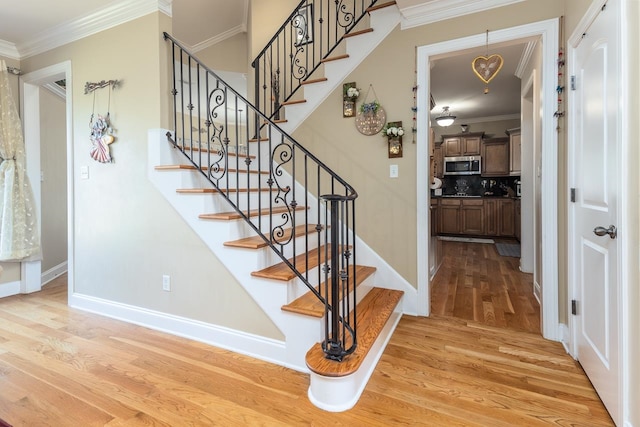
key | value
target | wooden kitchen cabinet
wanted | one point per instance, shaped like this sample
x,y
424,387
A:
x,y
506,218
438,161
467,144
472,217
517,220
499,217
449,214
491,217
515,152
495,157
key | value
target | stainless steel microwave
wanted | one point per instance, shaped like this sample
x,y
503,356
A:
x,y
463,165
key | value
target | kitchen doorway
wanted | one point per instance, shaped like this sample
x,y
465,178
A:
x,y
547,32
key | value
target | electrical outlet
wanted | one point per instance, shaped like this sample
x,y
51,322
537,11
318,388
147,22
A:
x,y
393,171
166,283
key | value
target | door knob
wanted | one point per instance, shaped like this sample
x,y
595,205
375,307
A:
x,y
612,231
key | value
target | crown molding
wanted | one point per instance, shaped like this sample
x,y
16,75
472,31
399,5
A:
x,y
56,90
218,38
9,50
525,58
109,17
440,10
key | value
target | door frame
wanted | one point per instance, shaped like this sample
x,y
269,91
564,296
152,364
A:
x,y
628,211
548,31
31,85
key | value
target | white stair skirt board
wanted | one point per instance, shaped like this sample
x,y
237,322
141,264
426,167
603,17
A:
x,y
338,394
465,239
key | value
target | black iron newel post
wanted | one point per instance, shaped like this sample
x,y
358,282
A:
x,y
334,347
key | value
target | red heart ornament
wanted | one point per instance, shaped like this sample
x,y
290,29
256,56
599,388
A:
x,y
486,68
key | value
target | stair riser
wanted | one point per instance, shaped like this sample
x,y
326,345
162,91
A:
x,y
195,179
239,229
268,257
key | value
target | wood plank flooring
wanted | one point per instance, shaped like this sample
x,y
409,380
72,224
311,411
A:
x,y
476,283
64,367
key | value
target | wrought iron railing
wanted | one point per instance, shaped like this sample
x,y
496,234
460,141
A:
x,y
276,185
310,34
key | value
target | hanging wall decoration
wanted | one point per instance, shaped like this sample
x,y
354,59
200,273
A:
x,y
101,131
371,116
393,131
350,94
487,67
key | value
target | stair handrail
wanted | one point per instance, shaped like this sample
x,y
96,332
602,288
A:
x,y
218,158
294,52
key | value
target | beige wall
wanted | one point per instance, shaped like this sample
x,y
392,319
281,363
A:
x,y
53,164
228,55
126,235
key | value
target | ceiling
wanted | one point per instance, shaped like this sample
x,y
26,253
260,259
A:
x,y
201,23
454,84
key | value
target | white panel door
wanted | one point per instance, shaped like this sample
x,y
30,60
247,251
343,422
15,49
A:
x,y
596,208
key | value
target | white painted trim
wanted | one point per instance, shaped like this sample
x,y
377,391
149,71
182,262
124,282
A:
x,y
586,21
54,272
218,38
9,50
548,30
111,16
262,348
56,90
525,58
30,85
434,11
10,288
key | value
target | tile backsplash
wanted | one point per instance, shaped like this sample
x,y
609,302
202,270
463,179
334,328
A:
x,y
476,185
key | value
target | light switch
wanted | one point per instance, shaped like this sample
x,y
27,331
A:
x,y
393,171
84,172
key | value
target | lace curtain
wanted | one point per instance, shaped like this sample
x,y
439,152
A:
x,y
19,237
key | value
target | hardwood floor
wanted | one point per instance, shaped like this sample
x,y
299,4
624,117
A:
x,y
64,367
476,283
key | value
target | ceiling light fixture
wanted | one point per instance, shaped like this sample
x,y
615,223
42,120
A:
x,y
445,119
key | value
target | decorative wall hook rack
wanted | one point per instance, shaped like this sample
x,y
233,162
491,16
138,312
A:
x,y
91,86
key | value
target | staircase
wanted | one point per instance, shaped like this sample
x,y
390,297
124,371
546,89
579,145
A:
x,y
280,220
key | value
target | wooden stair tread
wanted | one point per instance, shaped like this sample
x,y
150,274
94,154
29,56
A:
x,y
303,262
213,190
308,304
265,122
213,151
335,58
312,81
295,101
357,33
373,312
257,242
380,6
191,167
227,216
261,139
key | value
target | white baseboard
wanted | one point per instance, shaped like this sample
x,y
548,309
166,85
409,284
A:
x,y
10,288
565,337
269,350
54,272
